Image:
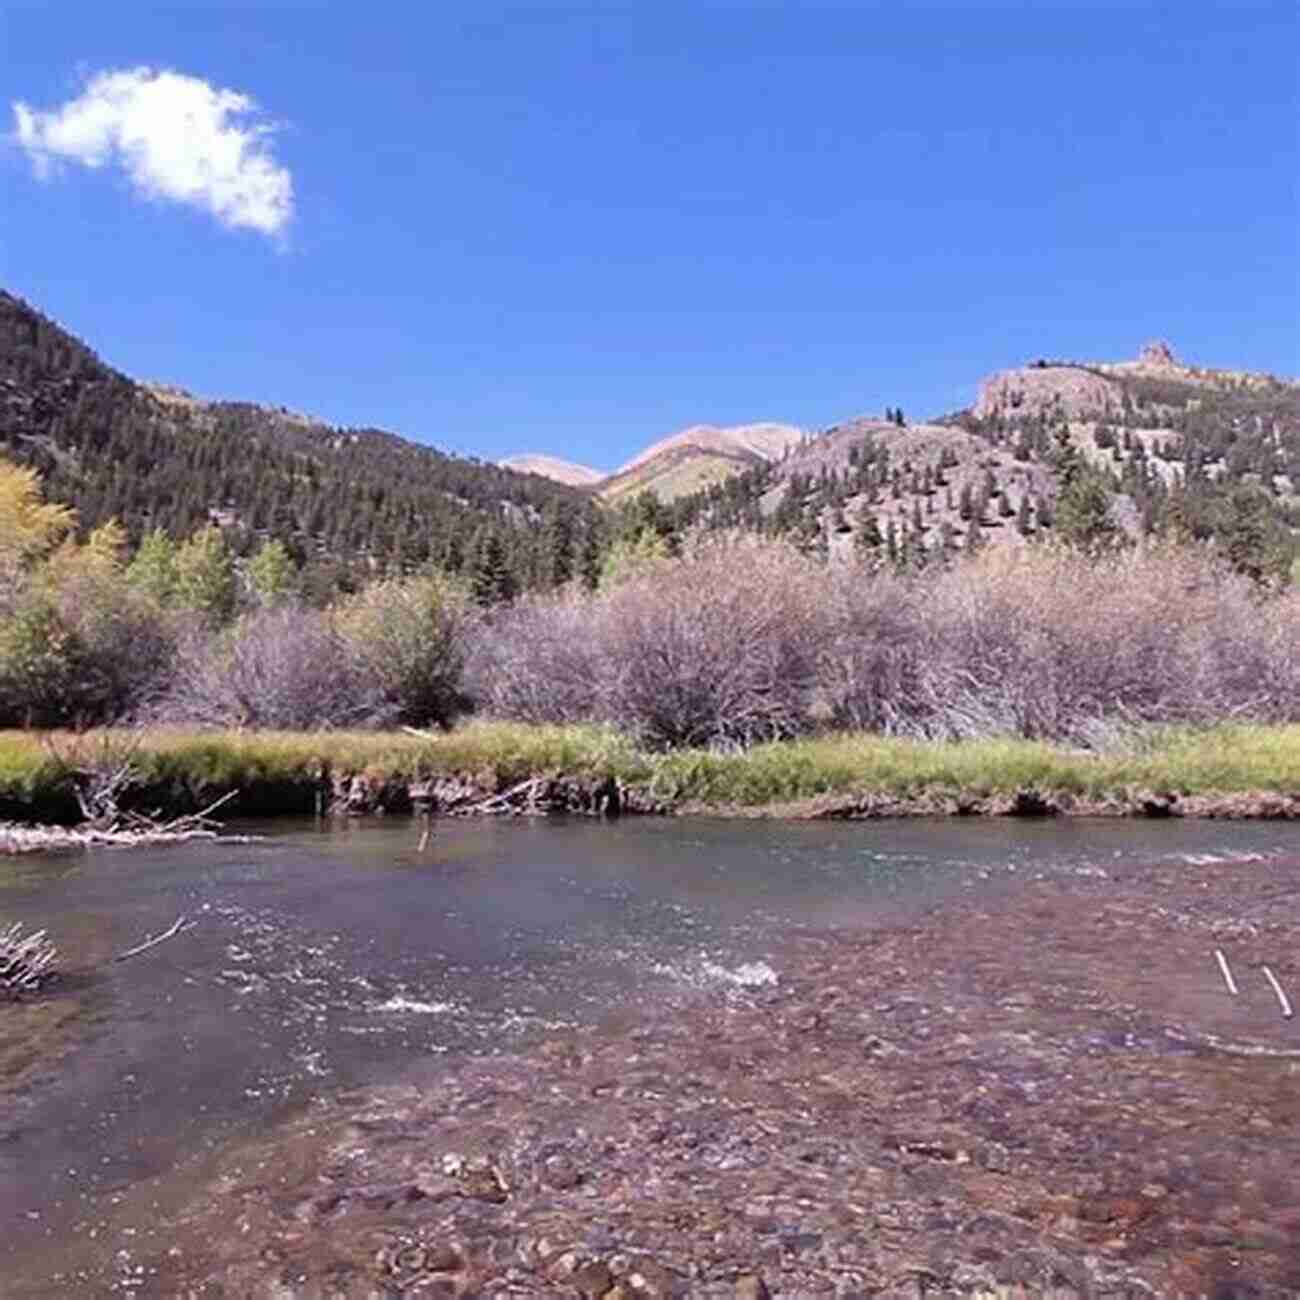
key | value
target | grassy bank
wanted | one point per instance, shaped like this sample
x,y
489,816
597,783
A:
x,y
281,771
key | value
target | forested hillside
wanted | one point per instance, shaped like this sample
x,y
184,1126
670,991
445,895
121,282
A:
x,y
348,503
1090,454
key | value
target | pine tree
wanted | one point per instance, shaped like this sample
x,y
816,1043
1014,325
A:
x,y
867,539
1024,521
490,578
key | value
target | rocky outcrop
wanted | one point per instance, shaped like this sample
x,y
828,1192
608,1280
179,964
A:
x,y
1158,355
1046,390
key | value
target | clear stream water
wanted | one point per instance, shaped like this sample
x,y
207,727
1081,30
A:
x,y
327,956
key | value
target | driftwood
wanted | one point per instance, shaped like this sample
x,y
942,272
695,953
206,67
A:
x,y
101,773
179,927
506,798
25,960
1227,973
199,824
1281,996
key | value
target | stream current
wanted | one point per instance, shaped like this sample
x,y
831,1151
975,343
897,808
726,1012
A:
x,y
335,955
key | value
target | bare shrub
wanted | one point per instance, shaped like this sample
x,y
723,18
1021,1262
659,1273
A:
x,y
540,660
746,641
1252,656
872,671
285,668
722,648
1047,643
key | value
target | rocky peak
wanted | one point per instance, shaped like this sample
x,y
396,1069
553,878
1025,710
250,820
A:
x,y
1157,353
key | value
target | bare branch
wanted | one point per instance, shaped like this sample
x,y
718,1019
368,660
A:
x,y
179,927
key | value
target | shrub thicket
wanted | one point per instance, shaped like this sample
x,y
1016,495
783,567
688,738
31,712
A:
x,y
539,660
735,642
407,638
286,668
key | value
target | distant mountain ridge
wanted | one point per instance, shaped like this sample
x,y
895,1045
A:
x,y
681,463
1213,452
554,468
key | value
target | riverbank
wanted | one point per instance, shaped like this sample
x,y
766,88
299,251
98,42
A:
x,y
1226,771
1039,1089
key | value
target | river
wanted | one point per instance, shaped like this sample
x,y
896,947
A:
x,y
328,956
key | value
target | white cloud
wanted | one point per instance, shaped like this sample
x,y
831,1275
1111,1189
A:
x,y
176,137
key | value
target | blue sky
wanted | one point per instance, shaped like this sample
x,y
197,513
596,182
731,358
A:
x,y
575,228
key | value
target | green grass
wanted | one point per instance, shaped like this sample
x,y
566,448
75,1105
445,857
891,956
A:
x,y
1216,760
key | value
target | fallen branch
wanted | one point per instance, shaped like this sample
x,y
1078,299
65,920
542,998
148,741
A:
x,y
1218,1044
180,926
198,819
507,796
1287,1013
1227,974
25,960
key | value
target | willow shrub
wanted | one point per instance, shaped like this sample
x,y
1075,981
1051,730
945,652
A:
x,y
740,642
408,638
285,669
540,660
1047,643
84,650
719,648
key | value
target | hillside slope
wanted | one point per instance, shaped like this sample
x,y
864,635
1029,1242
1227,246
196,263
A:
x,y
1212,453
154,456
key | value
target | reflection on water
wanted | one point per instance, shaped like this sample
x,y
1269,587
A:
x,y
330,956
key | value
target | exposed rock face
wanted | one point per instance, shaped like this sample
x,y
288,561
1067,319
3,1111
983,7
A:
x,y
1157,353
1068,391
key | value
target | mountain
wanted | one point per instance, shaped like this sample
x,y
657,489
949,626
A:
x,y
677,465
696,458
1212,453
348,502
555,469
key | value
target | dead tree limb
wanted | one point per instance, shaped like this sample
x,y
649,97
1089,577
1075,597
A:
x,y
1287,1013
1227,974
179,927
506,797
